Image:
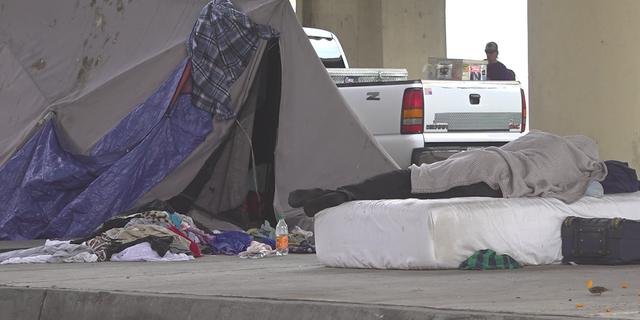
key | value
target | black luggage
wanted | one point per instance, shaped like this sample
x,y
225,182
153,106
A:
x,y
600,241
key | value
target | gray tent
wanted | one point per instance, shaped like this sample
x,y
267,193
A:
x,y
87,66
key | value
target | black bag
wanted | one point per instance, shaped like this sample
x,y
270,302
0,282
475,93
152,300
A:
x,y
600,241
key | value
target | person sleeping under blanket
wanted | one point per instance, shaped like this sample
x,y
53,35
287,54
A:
x,y
538,164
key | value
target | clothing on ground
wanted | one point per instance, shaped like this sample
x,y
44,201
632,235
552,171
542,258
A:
x,y
231,242
487,259
53,251
144,252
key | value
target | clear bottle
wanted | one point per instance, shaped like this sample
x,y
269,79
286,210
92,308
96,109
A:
x,y
282,237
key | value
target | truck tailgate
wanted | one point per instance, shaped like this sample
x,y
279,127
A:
x,y
378,105
467,106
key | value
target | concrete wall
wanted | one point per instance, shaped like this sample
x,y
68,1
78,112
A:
x,y
584,72
382,33
412,32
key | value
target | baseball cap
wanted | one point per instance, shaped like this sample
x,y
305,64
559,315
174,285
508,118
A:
x,y
491,47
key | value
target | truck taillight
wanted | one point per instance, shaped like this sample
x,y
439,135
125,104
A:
x,y
412,111
524,111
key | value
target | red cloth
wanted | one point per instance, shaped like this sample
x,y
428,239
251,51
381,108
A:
x,y
193,246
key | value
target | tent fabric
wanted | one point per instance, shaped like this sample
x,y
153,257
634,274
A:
x,y
48,191
88,65
90,62
321,143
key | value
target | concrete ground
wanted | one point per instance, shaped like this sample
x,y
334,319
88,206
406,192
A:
x,y
297,286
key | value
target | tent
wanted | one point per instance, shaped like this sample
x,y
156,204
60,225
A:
x,y
96,117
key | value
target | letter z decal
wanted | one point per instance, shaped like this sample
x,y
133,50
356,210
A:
x,y
373,95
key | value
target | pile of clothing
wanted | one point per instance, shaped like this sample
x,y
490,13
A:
x,y
153,232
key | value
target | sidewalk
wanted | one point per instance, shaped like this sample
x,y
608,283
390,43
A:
x,y
299,287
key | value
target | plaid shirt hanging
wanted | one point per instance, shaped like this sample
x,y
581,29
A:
x,y
220,46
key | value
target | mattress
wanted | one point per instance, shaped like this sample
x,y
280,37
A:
x,y
440,234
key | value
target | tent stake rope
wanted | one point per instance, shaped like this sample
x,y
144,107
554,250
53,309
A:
x,y
253,160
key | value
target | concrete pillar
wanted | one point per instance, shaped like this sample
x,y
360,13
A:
x,y
583,72
413,31
369,51
382,33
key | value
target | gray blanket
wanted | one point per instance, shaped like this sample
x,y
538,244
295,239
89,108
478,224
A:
x,y
538,164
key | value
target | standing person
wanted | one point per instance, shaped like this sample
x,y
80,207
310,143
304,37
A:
x,y
496,70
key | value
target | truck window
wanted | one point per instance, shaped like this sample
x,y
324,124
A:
x,y
327,47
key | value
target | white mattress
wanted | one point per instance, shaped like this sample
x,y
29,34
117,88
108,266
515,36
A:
x,y
440,234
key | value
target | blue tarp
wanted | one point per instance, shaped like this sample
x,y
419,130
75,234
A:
x,y
49,191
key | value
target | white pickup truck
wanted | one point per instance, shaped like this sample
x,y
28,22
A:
x,y
423,121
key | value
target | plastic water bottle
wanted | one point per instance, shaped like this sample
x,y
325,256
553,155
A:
x,y
282,237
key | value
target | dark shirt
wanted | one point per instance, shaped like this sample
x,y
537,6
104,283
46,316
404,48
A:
x,y
498,71
620,178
